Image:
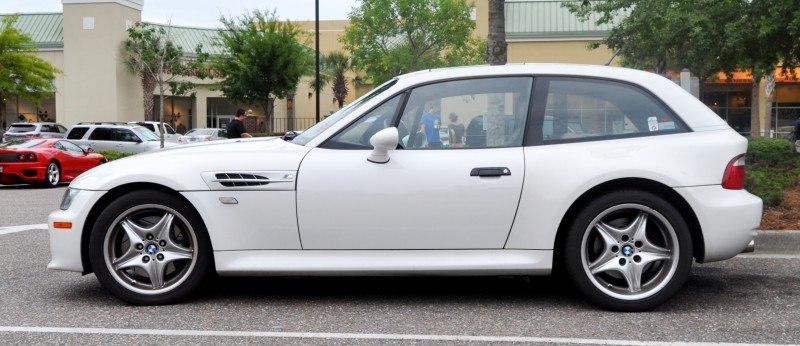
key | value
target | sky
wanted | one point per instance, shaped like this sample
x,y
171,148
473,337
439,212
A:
x,y
204,13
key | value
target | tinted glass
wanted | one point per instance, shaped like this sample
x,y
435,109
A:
x,y
102,134
77,132
357,135
21,128
474,113
223,133
61,129
169,129
69,146
21,143
145,134
148,126
125,135
579,108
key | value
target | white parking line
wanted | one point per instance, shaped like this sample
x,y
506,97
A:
x,y
344,336
23,228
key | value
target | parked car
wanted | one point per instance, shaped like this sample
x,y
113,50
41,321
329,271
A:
x,y
652,181
203,135
124,138
44,161
34,130
169,136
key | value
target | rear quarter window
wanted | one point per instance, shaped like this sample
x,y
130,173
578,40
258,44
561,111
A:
x,y
77,132
575,109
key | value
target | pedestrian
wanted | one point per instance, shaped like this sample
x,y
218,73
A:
x,y
456,131
236,127
429,124
181,128
797,135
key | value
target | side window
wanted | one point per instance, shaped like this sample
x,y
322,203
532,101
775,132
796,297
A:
x,y
149,127
101,134
475,113
169,129
223,133
586,108
77,132
46,128
61,129
357,135
71,147
124,135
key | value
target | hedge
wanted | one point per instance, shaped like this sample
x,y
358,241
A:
x,y
772,167
112,155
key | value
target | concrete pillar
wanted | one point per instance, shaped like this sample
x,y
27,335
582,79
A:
x,y
97,85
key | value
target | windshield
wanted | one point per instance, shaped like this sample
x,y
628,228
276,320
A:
x,y
314,131
200,132
145,134
21,128
20,143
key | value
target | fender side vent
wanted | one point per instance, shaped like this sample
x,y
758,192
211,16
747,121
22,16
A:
x,y
241,179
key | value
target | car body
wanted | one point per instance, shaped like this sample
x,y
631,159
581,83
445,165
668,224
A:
x,y
121,137
34,130
169,133
651,180
203,135
44,161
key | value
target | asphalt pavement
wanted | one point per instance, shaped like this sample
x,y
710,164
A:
x,y
752,299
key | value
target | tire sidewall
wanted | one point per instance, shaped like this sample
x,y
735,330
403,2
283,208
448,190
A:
x,y
573,252
102,227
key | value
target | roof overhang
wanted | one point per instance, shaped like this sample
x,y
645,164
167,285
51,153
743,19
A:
x,y
134,4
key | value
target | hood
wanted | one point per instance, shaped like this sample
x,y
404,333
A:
x,y
181,167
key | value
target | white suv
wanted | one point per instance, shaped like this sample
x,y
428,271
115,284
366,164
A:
x,y
121,137
34,130
169,133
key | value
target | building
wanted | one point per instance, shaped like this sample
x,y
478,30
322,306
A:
x,y
85,43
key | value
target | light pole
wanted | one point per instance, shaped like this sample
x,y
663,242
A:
x,y
316,35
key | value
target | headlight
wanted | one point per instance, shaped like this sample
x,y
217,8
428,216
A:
x,y
69,195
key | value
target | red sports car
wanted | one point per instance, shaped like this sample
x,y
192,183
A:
x,y
47,161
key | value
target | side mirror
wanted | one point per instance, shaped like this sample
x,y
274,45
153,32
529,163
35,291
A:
x,y
289,136
89,150
382,142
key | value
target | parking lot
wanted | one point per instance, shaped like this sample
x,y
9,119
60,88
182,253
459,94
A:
x,y
753,298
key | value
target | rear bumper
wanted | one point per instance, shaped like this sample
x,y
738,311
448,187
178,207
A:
x,y
14,173
728,218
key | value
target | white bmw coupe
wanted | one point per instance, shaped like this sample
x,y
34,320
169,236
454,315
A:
x,y
617,177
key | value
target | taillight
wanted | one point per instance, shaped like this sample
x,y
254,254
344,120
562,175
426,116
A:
x,y
733,179
33,135
26,157
207,139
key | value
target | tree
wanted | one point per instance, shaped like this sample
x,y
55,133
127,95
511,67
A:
x,y
263,59
704,36
335,66
497,49
152,54
390,37
22,73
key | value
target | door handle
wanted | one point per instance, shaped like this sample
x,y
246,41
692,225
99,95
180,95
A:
x,y
489,172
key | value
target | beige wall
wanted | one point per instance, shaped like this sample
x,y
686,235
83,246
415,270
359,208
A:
x,y
574,52
97,85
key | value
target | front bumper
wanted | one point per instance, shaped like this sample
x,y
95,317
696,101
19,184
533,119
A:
x,y
65,244
728,218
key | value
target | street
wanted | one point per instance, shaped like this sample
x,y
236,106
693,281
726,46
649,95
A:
x,y
753,298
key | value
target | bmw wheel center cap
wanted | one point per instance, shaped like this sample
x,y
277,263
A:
x,y
627,250
152,249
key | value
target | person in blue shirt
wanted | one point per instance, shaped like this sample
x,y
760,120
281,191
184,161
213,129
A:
x,y
430,123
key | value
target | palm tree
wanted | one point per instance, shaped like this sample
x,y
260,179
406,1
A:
x,y
334,67
497,48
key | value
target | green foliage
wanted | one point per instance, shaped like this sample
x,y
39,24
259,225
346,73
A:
x,y
263,59
772,167
333,70
112,155
22,73
390,37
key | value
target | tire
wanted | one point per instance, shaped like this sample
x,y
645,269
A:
x,y
628,250
52,176
149,248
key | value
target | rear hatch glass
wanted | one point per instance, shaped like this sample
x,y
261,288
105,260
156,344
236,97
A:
x,y
21,128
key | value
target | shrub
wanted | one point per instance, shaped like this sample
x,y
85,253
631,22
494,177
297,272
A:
x,y
112,155
772,167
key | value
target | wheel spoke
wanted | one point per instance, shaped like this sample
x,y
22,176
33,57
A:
x,y
135,233
605,263
163,227
632,272
648,257
181,254
155,271
638,227
607,233
129,259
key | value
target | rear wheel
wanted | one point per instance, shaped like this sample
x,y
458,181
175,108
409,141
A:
x,y
52,175
628,250
149,248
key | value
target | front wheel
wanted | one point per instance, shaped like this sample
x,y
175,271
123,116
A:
x,y
149,248
628,250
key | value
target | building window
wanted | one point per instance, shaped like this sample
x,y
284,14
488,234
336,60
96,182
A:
x,y
731,105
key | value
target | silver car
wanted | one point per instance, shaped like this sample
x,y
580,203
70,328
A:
x,y
34,130
124,138
203,135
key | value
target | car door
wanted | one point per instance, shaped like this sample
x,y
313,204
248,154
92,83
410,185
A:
x,y
73,159
430,195
127,141
102,138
